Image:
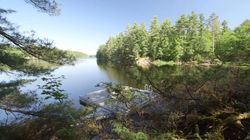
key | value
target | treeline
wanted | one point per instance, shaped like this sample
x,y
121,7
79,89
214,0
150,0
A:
x,y
13,58
76,54
191,38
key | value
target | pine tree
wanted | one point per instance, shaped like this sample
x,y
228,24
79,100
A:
x,y
154,38
166,49
181,35
215,28
203,50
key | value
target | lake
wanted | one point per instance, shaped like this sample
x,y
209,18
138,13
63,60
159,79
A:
x,y
83,77
80,78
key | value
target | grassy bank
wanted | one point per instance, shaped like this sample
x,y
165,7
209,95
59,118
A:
x,y
160,63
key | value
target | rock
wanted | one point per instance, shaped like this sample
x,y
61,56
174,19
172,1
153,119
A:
x,y
143,62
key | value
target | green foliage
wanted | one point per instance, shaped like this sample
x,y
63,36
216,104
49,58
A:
x,y
209,102
76,54
197,102
123,94
192,39
125,134
27,54
160,63
242,50
126,47
51,89
11,56
233,46
17,49
12,97
154,39
226,46
168,136
167,51
215,29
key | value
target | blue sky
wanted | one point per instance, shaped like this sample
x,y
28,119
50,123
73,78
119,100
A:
x,y
85,24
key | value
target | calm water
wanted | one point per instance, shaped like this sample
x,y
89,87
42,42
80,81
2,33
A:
x,y
82,77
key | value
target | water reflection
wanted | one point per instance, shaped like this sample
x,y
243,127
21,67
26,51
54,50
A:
x,y
199,95
188,82
169,80
208,97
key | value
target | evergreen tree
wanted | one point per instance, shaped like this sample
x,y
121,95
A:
x,y
226,45
154,39
215,28
190,39
203,49
181,36
144,50
166,51
242,49
224,26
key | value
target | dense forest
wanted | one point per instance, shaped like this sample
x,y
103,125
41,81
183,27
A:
x,y
189,101
193,38
194,102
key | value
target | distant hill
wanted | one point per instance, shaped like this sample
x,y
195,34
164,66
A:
x,y
77,54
